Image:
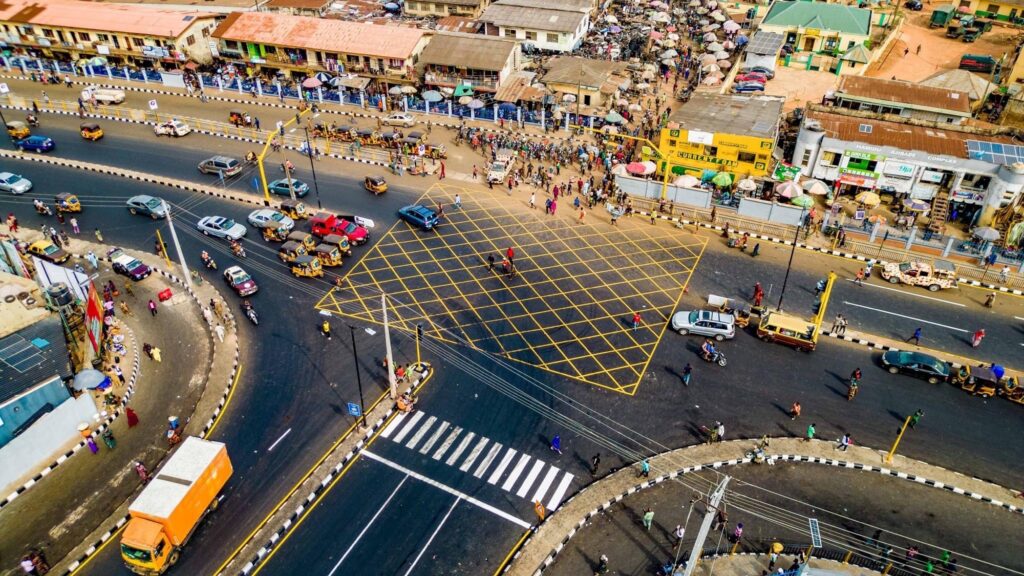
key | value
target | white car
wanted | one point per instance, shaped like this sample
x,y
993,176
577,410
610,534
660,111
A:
x,y
171,128
400,119
266,218
103,95
221,227
14,183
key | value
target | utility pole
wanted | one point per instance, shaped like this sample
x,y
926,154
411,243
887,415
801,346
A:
x,y
705,526
177,246
312,167
392,384
899,436
288,178
792,252
359,376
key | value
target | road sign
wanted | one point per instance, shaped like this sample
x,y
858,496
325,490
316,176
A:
x,y
4,89
255,183
815,533
353,410
152,105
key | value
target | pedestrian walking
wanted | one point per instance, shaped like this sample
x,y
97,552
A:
x,y
1004,274
533,199
594,463
916,417
475,172
737,533
93,261
325,328
859,279
256,123
140,469
918,49
719,431
98,234
679,533
582,214
219,331
836,323
772,559
976,339
645,469
119,373
636,321
46,98
92,445
133,418
990,299
490,262
556,444
152,307
916,337
794,411
441,174
554,206
844,443
758,294
458,202
810,433
74,225
687,374
648,518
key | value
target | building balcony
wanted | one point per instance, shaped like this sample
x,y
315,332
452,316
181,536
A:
x,y
278,58
448,79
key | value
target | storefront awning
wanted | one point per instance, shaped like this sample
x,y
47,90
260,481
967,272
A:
x,y
353,82
856,180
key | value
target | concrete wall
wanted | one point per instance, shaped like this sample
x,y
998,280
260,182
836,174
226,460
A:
x,y
37,446
20,409
644,188
770,211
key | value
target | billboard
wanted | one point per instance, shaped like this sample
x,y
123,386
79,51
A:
x,y
94,318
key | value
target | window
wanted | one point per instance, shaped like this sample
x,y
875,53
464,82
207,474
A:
x,y
710,150
48,33
231,45
84,36
746,157
993,9
102,38
862,164
395,63
510,33
530,35
830,159
552,38
864,128
191,40
138,42
206,32
672,143
806,159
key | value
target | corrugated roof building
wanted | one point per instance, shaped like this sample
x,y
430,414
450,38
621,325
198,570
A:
x,y
903,98
540,24
483,62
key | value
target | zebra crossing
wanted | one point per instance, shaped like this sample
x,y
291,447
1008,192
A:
x,y
500,466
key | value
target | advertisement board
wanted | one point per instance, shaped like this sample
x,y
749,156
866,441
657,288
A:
x,y
94,318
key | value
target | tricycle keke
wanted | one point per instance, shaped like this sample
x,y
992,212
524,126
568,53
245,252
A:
x,y
239,118
981,381
1011,389
328,254
340,241
375,184
67,202
275,233
740,310
305,238
291,251
294,209
307,267
91,131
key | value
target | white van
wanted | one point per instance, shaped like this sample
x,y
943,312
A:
x,y
103,95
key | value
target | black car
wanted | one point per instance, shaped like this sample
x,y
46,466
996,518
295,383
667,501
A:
x,y
924,366
914,5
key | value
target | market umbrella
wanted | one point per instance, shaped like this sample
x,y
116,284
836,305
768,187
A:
x,y
876,219
711,81
611,19
722,179
868,199
336,81
465,100
635,168
569,98
714,47
669,43
90,379
746,185
408,89
788,189
986,233
311,82
706,59
648,75
718,17
432,96
671,53
724,64
661,17
915,205
395,90
391,6
686,181
728,45
614,118
730,26
722,55
707,175
475,104
464,90
323,77
448,91
622,102
673,36
609,129
507,107
710,37
643,86
635,107
710,68
615,29
715,74
694,4
649,167
802,201
668,62
619,170
815,187
98,61
964,9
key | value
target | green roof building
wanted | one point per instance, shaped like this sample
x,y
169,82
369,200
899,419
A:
x,y
818,26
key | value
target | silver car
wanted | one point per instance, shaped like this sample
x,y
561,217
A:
x,y
14,183
221,227
717,325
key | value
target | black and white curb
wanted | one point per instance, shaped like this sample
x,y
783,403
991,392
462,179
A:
x,y
550,558
319,490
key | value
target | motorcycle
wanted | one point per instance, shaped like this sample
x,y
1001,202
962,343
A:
x,y
851,392
250,312
32,121
237,250
287,168
42,208
717,357
209,262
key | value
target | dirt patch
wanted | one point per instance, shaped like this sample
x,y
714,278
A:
x,y
800,86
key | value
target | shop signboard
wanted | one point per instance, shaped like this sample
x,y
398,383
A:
x,y
698,137
861,155
865,174
785,172
94,318
898,169
932,176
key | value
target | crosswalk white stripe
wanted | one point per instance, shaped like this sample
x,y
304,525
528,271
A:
x,y
545,484
421,433
409,427
460,448
501,466
447,443
514,475
434,437
487,461
474,454
394,425
525,486
559,493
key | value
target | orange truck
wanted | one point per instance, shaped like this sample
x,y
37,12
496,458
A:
x,y
173,504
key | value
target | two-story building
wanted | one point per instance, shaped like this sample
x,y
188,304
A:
x,y
311,8
902,98
282,43
480,62
724,133
443,8
818,26
116,33
540,24
584,83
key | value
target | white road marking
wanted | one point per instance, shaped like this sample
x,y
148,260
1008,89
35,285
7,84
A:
x,y
914,294
905,316
514,475
447,443
434,437
421,433
474,454
276,442
534,472
487,461
460,448
499,513
394,425
556,498
501,466
1018,318
409,427
431,539
367,527
545,484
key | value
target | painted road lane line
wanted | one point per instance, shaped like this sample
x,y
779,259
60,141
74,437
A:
x,y
278,441
447,443
514,475
367,527
545,484
499,513
563,486
421,433
434,437
530,478
848,303
409,427
487,461
909,293
501,466
432,536
460,449
393,425
474,453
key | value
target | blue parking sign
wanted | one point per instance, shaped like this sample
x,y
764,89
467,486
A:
x,y
353,410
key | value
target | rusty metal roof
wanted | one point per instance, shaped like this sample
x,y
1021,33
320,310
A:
x,y
164,23
904,92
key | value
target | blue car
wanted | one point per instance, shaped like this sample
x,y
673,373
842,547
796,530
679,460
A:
x,y
745,87
419,216
35,144
280,187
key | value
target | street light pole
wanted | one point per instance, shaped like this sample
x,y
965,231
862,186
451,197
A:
x,y
312,167
359,376
789,266
177,246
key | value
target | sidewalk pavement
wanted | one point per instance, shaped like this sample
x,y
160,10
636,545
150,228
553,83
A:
x,y
86,494
550,537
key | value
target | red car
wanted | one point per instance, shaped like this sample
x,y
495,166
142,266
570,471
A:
x,y
240,281
325,224
752,77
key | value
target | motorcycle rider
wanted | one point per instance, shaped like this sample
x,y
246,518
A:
x,y
287,166
205,257
708,350
32,120
854,384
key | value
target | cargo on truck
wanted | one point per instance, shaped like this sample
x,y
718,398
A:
x,y
504,159
173,504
